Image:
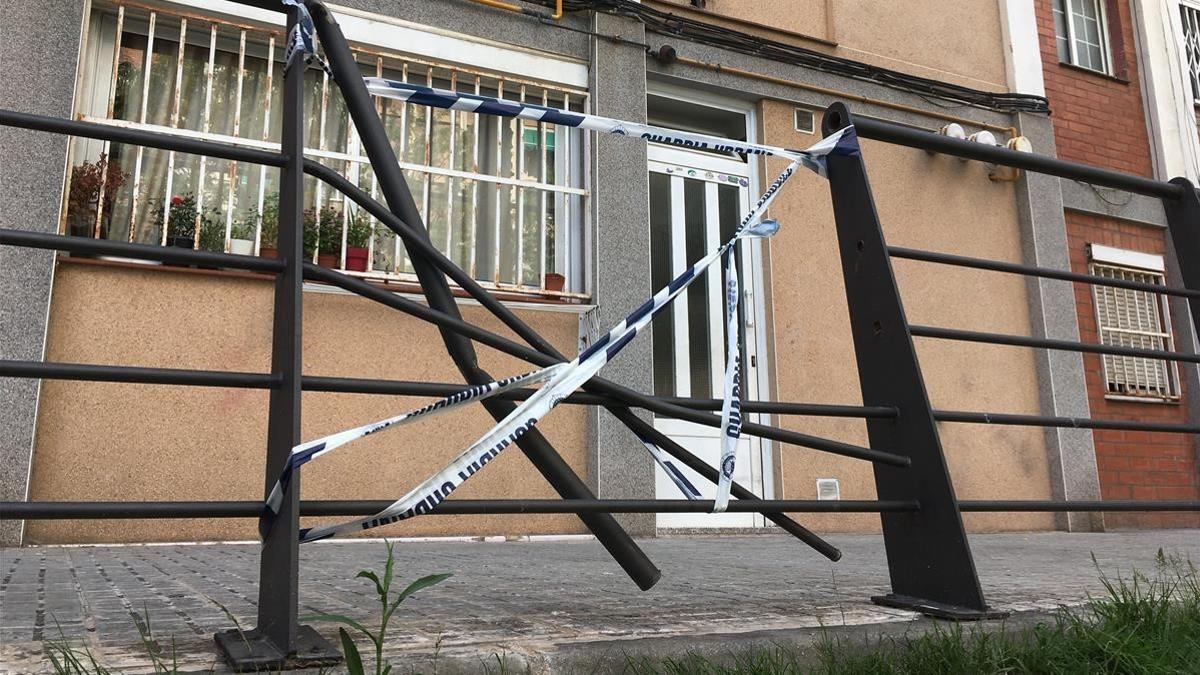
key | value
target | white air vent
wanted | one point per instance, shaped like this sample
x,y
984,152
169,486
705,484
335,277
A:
x,y
805,121
827,489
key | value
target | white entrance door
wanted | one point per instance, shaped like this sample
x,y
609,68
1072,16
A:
x,y
696,202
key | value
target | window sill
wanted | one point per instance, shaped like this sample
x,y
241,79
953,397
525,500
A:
x,y
572,302
1118,398
1100,74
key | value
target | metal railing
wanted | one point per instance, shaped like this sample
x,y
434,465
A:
x,y
930,562
928,556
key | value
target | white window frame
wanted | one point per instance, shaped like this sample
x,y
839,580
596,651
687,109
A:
x,y
374,33
1069,8
1135,262
1191,72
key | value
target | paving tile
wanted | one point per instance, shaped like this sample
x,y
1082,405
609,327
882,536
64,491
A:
x,y
522,595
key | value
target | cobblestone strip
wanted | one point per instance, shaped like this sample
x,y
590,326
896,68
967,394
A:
x,y
166,600
138,622
39,616
87,619
9,574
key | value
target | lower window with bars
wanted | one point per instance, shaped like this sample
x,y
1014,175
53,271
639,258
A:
x,y
503,198
1130,318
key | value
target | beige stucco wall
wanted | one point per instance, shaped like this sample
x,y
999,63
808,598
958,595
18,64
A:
x,y
107,441
924,201
959,42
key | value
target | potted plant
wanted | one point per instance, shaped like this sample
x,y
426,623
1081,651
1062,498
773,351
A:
x,y
358,234
242,235
328,233
84,196
181,221
181,224
212,232
267,246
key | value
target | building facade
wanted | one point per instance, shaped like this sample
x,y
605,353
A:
x,y
573,230
1116,106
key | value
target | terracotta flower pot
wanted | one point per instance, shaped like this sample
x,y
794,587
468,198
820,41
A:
x,y
265,252
554,281
329,260
356,258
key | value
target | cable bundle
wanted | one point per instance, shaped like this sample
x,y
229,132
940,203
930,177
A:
x,y
666,23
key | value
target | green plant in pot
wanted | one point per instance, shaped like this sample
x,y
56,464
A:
x,y
241,235
358,234
182,214
212,232
181,221
327,229
83,199
269,237
267,244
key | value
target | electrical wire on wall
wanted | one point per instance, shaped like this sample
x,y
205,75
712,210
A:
x,y
666,23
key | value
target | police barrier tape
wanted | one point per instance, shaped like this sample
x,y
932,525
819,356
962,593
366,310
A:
x,y
565,378
487,105
306,452
731,406
303,38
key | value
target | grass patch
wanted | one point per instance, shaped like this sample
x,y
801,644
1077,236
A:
x,y
1142,624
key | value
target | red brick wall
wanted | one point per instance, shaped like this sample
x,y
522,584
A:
x,y
1132,464
1097,119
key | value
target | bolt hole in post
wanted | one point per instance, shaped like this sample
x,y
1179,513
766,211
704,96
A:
x,y
860,245
877,327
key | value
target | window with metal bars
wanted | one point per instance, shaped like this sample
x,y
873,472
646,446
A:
x,y
1081,33
1189,15
1129,318
503,198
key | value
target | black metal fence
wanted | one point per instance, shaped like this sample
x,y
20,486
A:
x,y
929,558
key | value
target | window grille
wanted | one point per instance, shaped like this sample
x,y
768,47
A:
x,y
503,198
1129,318
1081,33
1190,18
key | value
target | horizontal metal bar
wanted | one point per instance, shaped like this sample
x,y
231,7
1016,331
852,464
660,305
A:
x,y
251,509
136,375
171,254
353,385
923,139
1031,270
1043,343
149,139
1060,422
980,506
329,154
248,509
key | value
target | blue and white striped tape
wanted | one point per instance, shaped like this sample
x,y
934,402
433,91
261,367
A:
x,y
306,452
562,379
302,39
842,142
